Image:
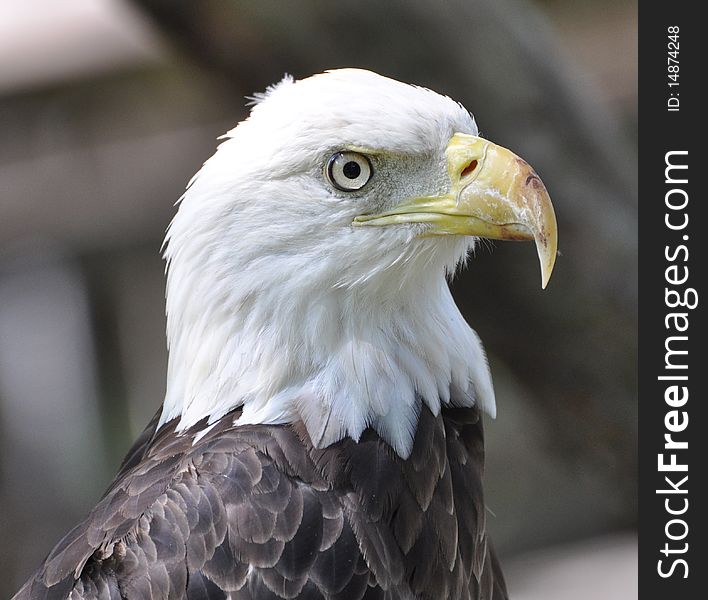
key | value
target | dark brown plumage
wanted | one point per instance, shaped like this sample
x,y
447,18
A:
x,y
255,512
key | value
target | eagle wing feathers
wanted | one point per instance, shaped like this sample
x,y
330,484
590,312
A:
x,y
256,512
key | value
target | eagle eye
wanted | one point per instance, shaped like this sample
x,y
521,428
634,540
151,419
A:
x,y
348,171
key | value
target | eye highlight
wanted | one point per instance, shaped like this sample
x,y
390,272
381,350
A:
x,y
348,171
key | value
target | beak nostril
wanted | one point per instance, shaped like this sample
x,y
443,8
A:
x,y
469,169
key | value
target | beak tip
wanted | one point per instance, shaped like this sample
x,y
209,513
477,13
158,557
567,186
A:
x,y
547,270
547,258
546,238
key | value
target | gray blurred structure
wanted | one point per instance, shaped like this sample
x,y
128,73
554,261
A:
x,y
599,568
107,108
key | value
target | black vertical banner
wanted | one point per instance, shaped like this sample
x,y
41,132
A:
x,y
673,360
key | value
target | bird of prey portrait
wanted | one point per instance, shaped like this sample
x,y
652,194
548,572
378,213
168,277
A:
x,y
321,431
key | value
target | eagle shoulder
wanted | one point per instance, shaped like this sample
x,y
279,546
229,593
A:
x,y
239,510
257,512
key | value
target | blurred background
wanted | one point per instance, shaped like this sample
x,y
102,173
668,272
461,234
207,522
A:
x,y
107,107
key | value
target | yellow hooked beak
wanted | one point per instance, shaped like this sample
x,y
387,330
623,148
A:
x,y
493,194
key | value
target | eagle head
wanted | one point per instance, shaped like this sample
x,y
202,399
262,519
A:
x,y
307,261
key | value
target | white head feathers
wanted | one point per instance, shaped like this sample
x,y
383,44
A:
x,y
277,304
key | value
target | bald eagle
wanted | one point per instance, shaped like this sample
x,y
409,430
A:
x,y
321,433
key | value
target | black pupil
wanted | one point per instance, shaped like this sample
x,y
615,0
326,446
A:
x,y
351,170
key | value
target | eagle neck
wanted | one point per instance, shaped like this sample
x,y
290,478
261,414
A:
x,y
289,347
